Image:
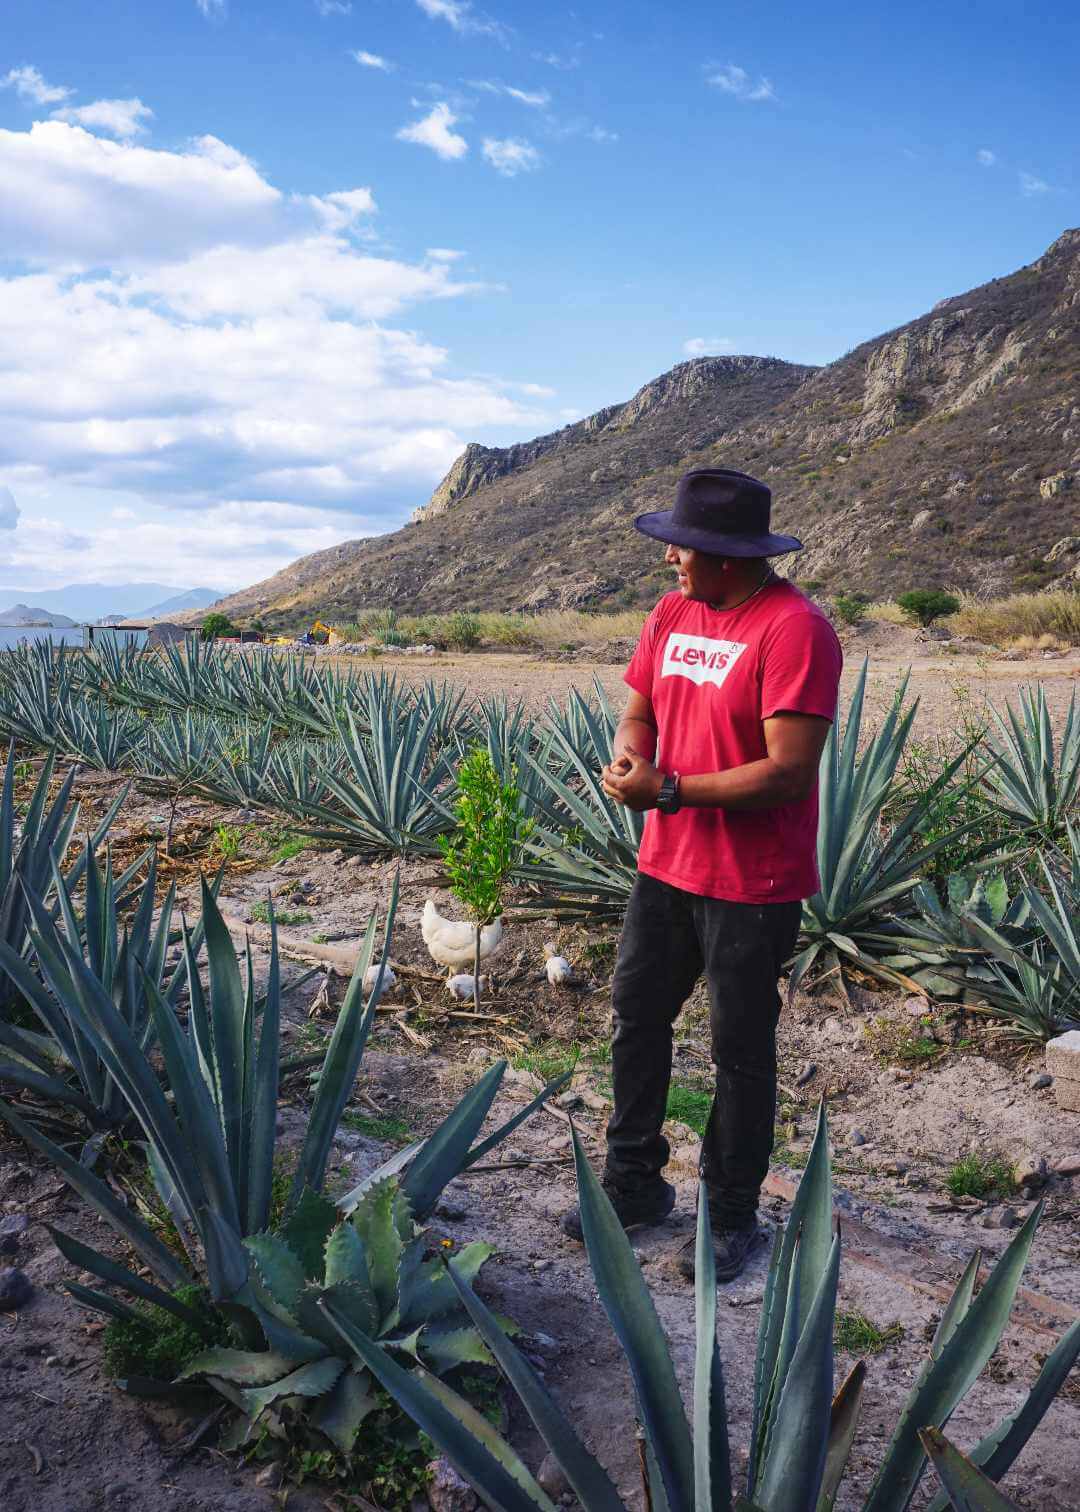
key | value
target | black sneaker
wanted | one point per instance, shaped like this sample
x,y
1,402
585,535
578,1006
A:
x,y
646,1204
731,1246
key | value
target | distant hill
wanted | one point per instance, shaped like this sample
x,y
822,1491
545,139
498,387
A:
x,y
945,452
25,614
180,603
93,602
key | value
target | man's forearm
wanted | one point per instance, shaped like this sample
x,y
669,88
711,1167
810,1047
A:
x,y
760,784
636,735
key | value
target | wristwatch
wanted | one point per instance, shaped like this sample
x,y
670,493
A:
x,y
667,799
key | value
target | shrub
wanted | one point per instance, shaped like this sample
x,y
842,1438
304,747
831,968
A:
x,y
849,608
216,624
463,631
927,604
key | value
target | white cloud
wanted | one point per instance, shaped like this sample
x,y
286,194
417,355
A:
x,y
70,196
29,85
444,254
341,210
734,80
701,346
532,97
562,61
334,7
459,14
986,157
193,345
372,60
213,10
602,135
511,156
9,510
434,131
120,118
1030,185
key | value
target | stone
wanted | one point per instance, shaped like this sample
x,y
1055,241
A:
x,y
923,517
1067,1095
1003,1217
596,1102
552,1477
15,1289
857,1137
807,1072
1066,547
1063,1056
447,1492
1056,483
1040,1080
1070,1166
1031,1171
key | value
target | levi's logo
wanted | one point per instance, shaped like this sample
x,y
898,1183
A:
x,y
700,659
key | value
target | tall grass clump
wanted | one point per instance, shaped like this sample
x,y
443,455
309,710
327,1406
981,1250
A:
x,y
1002,622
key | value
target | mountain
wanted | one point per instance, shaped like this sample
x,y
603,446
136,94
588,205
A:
x,y
93,602
24,614
945,452
180,603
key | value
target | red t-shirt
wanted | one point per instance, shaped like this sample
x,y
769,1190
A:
x,y
713,676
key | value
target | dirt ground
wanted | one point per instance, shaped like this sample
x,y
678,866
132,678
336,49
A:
x,y
69,1442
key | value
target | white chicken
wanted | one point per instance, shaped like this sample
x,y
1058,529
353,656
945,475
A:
x,y
381,977
558,968
453,944
461,987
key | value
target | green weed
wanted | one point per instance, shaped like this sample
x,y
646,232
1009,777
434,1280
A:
x,y
158,1344
260,913
378,1128
227,841
856,1334
978,1175
689,1105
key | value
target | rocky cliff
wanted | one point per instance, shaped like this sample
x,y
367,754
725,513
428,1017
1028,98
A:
x,y
943,453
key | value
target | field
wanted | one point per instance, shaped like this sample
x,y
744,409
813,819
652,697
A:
x,y
293,786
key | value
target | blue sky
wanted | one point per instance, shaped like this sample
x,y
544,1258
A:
x,y
271,263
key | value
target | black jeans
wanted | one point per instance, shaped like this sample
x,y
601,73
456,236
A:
x,y
669,937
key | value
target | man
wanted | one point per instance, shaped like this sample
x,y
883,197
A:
x,y
732,690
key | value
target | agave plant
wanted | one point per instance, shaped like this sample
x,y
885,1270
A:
x,y
387,794
61,1062
1036,786
27,856
866,871
98,735
373,1266
210,1127
801,1436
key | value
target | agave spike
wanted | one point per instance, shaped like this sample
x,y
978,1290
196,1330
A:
x,y
967,1488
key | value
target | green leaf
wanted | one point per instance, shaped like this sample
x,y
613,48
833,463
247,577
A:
x,y
426,1292
467,1439
844,1420
445,1152
280,1272
100,1197
377,1219
307,1229
967,1487
309,1381
996,1453
629,1307
455,1346
244,1367
114,1274
951,1375
957,1307
481,1149
794,1466
712,1455
586,1475
341,1413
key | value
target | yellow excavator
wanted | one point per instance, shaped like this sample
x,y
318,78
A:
x,y
321,633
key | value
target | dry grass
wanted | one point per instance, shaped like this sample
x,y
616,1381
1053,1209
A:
x,y
553,631
1025,617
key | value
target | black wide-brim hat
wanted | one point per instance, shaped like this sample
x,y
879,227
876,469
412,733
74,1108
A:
x,y
721,512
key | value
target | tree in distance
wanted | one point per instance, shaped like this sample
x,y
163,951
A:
x,y
927,604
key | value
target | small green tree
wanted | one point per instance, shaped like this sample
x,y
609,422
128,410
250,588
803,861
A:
x,y
486,845
216,624
927,604
849,608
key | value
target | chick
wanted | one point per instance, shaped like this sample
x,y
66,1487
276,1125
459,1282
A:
x,y
379,977
559,971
